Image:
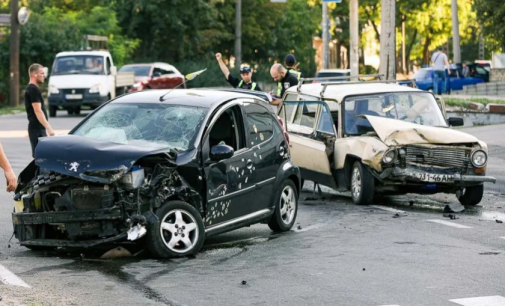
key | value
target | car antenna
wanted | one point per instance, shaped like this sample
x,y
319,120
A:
x,y
188,77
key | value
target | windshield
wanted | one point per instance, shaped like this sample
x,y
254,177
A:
x,y
137,70
415,107
421,74
145,125
79,64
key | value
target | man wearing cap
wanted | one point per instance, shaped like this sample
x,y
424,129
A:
x,y
245,74
290,62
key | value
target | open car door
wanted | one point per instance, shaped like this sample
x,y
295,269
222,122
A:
x,y
311,138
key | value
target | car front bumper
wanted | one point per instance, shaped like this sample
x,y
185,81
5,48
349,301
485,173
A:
x,y
87,99
440,176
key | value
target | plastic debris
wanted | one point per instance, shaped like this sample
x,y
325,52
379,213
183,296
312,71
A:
x,y
454,208
118,252
136,232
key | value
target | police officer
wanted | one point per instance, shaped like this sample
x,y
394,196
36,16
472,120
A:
x,y
290,62
284,80
245,74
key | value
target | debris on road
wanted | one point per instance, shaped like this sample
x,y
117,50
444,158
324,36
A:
x,y
499,221
118,252
364,269
411,203
244,282
451,216
299,227
398,215
454,208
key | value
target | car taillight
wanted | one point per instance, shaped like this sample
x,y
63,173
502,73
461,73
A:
x,y
286,135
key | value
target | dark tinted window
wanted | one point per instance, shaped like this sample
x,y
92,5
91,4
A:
x,y
137,70
259,123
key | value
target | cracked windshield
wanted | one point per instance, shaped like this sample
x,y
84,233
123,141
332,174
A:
x,y
145,125
419,108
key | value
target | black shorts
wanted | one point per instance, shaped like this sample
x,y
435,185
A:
x,y
34,135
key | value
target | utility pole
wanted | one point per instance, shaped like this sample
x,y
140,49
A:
x,y
14,55
388,40
238,33
481,43
354,44
404,60
455,32
324,26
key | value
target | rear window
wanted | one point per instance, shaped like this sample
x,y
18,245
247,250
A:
x,y
137,70
260,123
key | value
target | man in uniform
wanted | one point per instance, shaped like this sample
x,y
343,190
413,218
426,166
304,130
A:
x,y
245,74
290,62
284,80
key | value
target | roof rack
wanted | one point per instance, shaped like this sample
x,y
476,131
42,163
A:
x,y
102,42
346,77
326,84
256,93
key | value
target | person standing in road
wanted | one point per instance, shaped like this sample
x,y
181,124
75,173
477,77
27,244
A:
x,y
245,74
38,126
465,72
439,59
291,66
10,177
284,80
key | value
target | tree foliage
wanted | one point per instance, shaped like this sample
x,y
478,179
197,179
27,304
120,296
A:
x,y
491,14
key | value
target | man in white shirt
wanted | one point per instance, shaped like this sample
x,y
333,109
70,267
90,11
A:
x,y
439,59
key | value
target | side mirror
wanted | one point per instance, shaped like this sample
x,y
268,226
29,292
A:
x,y
456,121
46,71
113,70
220,152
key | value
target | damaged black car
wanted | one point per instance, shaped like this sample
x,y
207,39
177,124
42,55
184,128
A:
x,y
164,170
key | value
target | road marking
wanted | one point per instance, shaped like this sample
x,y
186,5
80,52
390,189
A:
x,y
481,301
24,133
9,278
388,209
449,223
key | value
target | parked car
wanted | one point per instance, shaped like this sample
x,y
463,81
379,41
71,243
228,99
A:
x,y
376,139
154,76
328,73
176,167
454,81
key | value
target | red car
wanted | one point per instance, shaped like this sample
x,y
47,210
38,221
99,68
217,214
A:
x,y
154,76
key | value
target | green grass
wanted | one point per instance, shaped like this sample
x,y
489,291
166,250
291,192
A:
x,y
9,110
465,103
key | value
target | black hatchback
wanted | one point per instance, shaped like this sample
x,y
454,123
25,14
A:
x,y
162,169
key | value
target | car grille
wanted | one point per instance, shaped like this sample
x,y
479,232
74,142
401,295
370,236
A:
x,y
439,156
73,91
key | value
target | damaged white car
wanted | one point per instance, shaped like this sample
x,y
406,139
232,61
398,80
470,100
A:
x,y
373,139
165,169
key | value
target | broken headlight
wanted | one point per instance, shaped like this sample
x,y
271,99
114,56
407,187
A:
x,y
106,176
478,158
389,157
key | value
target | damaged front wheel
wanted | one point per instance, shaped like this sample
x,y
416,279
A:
x,y
179,232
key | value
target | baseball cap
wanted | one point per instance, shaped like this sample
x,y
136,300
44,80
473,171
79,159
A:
x,y
290,60
244,68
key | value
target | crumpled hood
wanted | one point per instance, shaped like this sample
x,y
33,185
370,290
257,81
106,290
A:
x,y
79,156
398,132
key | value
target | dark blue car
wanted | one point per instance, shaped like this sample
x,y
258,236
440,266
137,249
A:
x,y
455,81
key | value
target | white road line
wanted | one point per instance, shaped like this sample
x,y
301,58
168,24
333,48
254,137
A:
x,y
481,301
9,278
387,209
449,223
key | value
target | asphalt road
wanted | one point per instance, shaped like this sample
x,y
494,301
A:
x,y
338,253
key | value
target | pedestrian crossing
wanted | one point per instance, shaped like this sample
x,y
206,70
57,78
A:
x,y
495,300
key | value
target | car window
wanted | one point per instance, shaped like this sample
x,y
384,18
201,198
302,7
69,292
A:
x,y
306,114
158,71
480,70
421,74
109,65
325,121
260,123
228,129
291,97
149,125
137,70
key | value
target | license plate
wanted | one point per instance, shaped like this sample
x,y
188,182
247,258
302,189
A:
x,y
437,178
73,97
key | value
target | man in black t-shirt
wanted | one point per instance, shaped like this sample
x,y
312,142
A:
x,y
35,109
245,74
284,80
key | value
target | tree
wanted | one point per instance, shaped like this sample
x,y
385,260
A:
x,y
491,14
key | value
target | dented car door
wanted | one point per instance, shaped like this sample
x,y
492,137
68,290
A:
x,y
312,136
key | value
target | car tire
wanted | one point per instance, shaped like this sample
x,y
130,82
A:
x,y
362,185
52,111
286,208
166,237
70,111
471,196
77,110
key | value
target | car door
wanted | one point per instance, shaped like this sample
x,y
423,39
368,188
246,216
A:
x,y
156,79
263,140
312,136
169,78
230,182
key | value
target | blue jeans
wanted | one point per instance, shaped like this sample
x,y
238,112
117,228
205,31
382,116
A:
x,y
439,74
